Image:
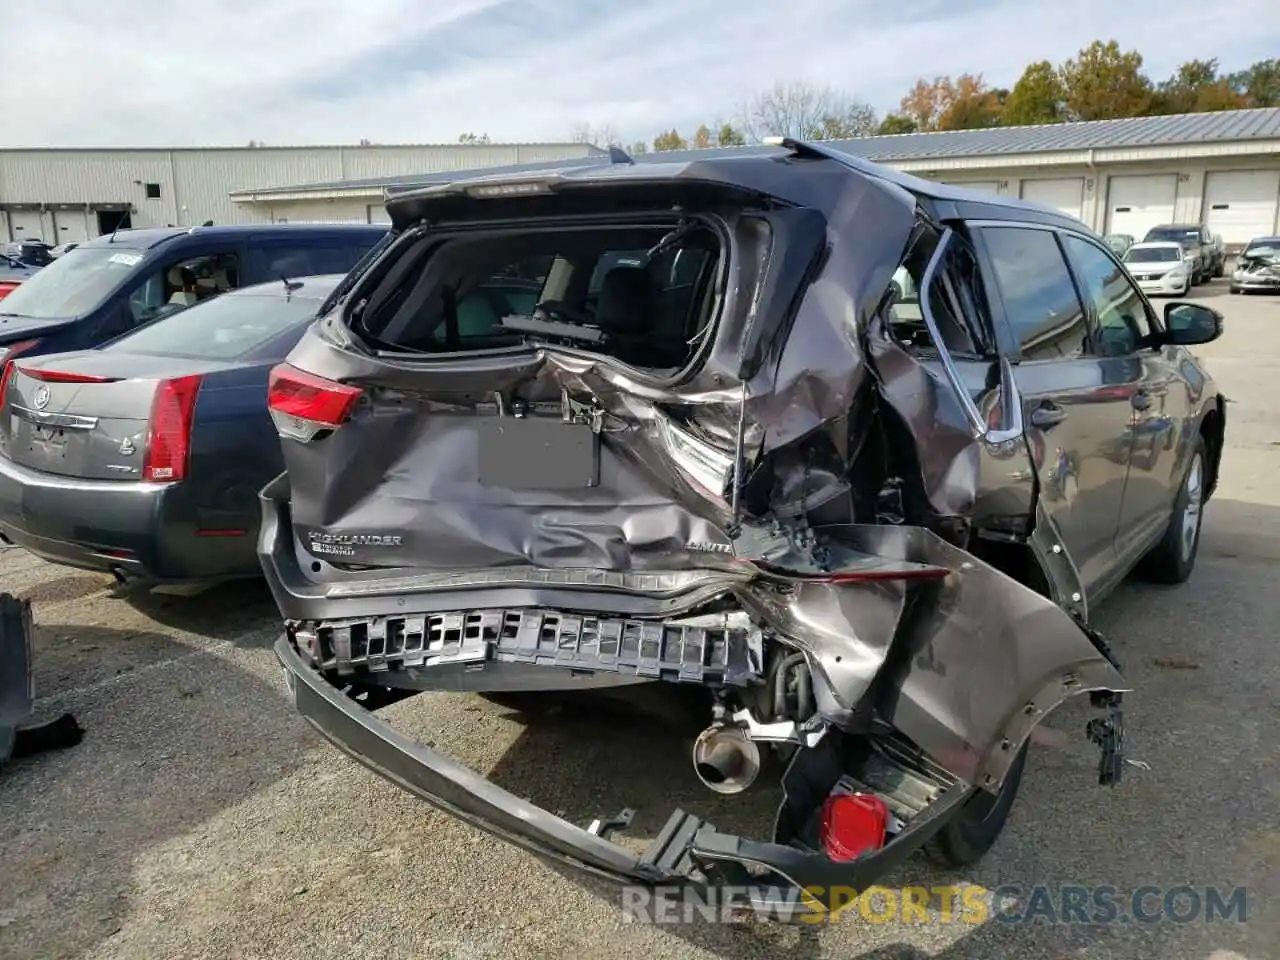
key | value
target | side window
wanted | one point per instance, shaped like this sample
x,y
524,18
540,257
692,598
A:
x,y
272,263
950,299
182,283
1039,295
1119,307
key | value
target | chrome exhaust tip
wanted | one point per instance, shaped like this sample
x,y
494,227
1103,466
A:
x,y
725,759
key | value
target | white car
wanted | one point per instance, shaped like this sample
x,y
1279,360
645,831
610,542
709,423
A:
x,y
1161,267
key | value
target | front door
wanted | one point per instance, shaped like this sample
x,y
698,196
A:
x,y
1077,426
1147,379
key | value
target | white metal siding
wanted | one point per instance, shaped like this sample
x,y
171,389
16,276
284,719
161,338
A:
x,y
980,186
1242,204
26,223
317,211
1062,193
71,226
377,213
1135,204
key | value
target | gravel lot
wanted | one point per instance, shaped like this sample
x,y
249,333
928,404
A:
x,y
201,818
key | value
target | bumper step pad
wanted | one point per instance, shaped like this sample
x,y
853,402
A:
x,y
728,653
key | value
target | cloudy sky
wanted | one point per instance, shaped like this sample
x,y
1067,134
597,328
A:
x,y
159,73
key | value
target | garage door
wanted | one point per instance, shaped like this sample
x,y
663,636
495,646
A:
x,y
981,186
1066,194
1136,204
378,213
25,223
70,226
1241,204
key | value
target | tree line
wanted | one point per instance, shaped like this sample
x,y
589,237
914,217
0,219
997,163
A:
x,y
1102,82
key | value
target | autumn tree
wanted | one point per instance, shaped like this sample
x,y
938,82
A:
x,y
702,137
1259,84
896,123
729,136
1197,87
669,140
803,111
1037,97
922,104
1104,83
965,103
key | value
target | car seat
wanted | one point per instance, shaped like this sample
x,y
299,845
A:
x,y
626,311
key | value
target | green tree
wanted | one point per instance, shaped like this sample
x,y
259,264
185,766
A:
x,y
638,147
1197,87
702,137
729,136
669,140
1103,83
1258,83
896,123
967,104
1037,97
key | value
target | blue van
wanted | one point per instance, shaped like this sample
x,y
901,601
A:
x,y
110,285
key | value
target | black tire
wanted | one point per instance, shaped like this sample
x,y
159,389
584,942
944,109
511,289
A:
x,y
977,825
1235,290
1174,557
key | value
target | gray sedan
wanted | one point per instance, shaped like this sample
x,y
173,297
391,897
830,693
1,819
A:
x,y
144,457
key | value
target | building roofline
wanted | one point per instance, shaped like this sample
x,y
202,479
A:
x,y
303,146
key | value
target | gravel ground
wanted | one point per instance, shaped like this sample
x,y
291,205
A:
x,y
202,818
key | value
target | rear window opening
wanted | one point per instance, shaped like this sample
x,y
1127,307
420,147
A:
x,y
644,294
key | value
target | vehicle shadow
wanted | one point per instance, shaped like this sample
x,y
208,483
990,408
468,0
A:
x,y
243,610
168,745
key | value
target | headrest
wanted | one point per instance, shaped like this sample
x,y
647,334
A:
x,y
628,300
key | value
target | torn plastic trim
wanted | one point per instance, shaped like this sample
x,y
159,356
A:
x,y
687,851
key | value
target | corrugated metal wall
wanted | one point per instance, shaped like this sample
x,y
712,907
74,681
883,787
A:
x,y
194,184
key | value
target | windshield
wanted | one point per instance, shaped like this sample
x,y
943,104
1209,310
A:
x,y
1180,234
1263,248
1153,255
72,285
224,328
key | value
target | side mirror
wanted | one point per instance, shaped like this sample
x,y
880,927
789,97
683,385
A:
x,y
1191,323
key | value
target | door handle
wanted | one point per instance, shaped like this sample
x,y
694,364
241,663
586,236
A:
x,y
1047,415
1141,401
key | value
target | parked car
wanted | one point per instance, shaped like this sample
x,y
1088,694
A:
x,y
746,463
144,457
34,253
13,272
1195,241
108,286
1218,250
1257,267
1118,242
1159,268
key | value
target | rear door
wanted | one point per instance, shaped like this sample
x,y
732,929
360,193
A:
x,y
1077,421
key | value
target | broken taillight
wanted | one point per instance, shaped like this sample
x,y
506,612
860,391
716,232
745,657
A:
x,y
853,824
7,356
303,404
169,431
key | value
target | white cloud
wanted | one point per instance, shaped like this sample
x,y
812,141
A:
x,y
152,73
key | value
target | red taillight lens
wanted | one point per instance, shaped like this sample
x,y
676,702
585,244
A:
x,y
6,364
294,395
61,376
169,432
853,824
6,289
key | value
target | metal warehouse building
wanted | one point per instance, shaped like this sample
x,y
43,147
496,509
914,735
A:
x,y
1118,176
70,195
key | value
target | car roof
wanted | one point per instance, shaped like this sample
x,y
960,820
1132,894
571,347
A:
x,y
299,288
147,238
1156,243
1177,226
1264,240
809,174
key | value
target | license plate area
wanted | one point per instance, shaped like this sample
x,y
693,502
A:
x,y
47,439
537,453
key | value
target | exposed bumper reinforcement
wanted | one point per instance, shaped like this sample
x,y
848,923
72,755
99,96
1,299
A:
x,y
688,851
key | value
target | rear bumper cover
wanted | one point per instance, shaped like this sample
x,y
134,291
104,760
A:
x,y
144,531
687,851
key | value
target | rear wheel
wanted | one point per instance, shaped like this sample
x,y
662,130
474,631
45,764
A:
x,y
977,825
1174,557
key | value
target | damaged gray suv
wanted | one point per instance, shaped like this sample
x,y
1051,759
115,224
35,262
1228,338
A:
x,y
849,455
